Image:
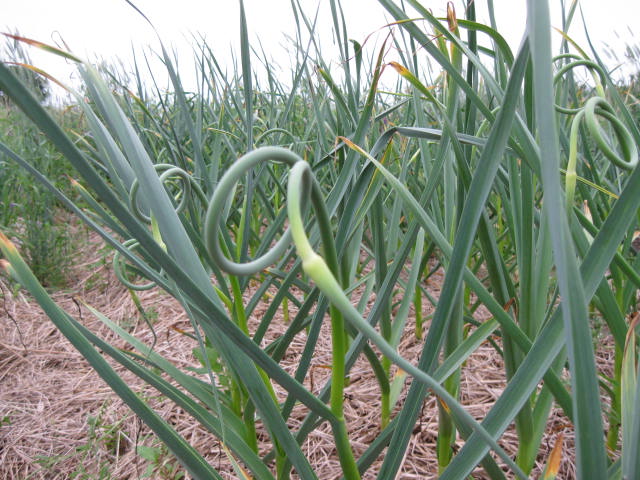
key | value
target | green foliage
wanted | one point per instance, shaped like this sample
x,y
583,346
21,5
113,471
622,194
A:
x,y
519,182
28,212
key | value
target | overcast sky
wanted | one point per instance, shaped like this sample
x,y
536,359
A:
x,y
108,28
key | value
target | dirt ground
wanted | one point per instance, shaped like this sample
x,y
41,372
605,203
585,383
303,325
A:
x,y
59,420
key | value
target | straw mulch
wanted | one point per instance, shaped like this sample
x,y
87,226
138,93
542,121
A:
x,y
59,420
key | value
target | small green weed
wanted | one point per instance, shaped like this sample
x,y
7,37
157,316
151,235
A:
x,y
161,463
94,459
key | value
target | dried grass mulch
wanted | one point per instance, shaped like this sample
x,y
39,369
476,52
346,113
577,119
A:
x,y
59,420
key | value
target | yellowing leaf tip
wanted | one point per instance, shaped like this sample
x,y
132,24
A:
x,y
7,244
400,373
401,69
352,145
452,20
444,405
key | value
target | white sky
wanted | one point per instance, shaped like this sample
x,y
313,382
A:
x,y
107,28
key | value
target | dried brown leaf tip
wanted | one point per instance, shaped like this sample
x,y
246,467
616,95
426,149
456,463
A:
x,y
43,46
452,20
554,459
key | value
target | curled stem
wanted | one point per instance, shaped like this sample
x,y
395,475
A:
x,y
168,176
302,187
593,108
120,268
596,106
